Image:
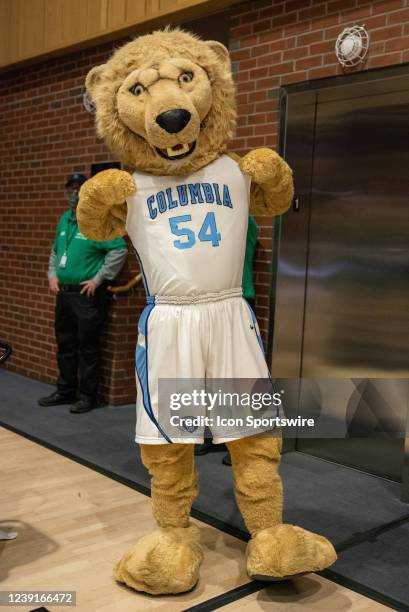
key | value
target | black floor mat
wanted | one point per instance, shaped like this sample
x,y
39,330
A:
x,y
382,561
343,504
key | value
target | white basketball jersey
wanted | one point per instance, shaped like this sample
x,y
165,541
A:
x,y
189,232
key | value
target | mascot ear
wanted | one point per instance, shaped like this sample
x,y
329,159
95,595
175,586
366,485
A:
x,y
221,52
93,78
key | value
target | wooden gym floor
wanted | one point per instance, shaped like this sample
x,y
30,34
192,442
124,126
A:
x,y
73,525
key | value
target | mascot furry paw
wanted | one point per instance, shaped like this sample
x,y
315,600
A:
x,y
165,107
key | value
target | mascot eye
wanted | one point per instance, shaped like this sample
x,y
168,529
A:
x,y
137,89
186,77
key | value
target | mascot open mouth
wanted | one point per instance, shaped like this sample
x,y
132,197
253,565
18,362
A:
x,y
178,151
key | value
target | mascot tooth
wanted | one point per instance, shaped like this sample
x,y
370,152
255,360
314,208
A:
x,y
165,107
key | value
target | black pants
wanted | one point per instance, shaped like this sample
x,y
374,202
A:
x,y
79,321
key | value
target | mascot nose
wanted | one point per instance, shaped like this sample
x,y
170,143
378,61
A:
x,y
173,120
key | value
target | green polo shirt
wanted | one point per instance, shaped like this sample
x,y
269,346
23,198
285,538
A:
x,y
248,282
84,257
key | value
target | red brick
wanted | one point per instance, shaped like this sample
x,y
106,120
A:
x,y
258,96
297,28
399,16
255,141
242,76
258,73
397,44
321,47
246,86
388,59
272,11
262,129
258,119
249,41
261,26
283,20
312,13
309,62
386,33
240,54
341,5
247,17
260,50
329,59
282,68
296,5
309,39
244,131
268,60
242,30
319,73
246,64
297,53
387,6
359,15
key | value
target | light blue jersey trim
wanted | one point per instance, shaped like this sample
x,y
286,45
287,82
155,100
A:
x,y
142,370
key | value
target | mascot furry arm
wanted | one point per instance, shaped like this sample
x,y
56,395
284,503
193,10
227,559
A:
x,y
166,108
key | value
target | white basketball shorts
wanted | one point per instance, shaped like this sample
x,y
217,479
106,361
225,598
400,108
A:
x,y
201,337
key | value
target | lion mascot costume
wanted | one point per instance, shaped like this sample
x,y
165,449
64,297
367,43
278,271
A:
x,y
165,106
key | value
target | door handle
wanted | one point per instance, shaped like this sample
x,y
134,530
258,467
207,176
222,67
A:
x,y
296,204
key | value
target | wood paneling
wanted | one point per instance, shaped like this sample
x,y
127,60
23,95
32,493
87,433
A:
x,y
168,6
116,13
74,20
4,49
36,28
31,30
97,16
136,11
10,31
53,24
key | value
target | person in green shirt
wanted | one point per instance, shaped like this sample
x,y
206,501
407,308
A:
x,y
78,271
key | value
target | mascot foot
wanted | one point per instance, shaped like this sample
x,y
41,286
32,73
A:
x,y
284,551
163,562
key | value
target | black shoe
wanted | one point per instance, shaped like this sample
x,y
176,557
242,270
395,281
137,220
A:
x,y
226,459
203,449
85,404
56,399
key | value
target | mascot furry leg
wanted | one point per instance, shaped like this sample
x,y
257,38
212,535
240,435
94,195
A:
x,y
276,550
168,560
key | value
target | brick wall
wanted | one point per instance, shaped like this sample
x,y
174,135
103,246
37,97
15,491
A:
x,y
46,135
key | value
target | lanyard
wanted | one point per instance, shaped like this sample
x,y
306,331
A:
x,y
68,240
69,237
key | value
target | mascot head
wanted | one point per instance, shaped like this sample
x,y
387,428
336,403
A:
x,y
165,102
